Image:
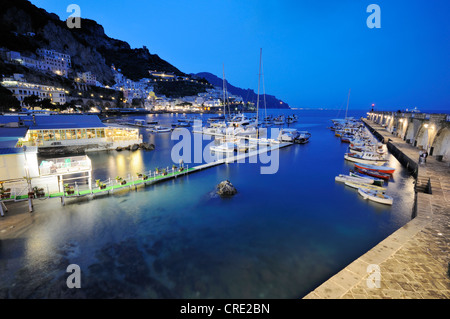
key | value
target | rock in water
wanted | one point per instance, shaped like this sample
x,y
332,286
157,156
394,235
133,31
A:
x,y
135,147
226,189
147,146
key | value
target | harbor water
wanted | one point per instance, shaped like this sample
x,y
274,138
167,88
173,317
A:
x,y
280,236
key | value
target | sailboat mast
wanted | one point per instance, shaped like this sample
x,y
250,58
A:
x,y
223,79
259,81
257,101
264,90
348,100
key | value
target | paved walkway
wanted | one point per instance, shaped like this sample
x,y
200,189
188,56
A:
x,y
414,261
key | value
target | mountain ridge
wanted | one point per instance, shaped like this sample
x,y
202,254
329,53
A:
x,y
248,95
91,49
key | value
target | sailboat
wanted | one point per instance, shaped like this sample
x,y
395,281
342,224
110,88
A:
x,y
339,124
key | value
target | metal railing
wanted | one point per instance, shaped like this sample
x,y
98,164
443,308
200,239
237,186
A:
x,y
65,165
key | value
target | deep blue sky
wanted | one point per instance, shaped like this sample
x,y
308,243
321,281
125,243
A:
x,y
314,51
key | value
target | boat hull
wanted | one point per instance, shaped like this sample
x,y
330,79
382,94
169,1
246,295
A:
x,y
364,161
380,169
346,178
376,181
376,174
376,197
364,186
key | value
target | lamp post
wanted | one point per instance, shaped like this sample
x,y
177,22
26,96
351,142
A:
x,y
27,177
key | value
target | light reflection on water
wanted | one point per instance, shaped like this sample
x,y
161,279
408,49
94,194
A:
x,y
279,237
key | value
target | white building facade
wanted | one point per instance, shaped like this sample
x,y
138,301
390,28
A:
x,y
22,89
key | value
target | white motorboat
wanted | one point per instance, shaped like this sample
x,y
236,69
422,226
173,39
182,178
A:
x,y
366,158
346,178
249,130
376,196
303,137
278,120
359,185
160,129
288,135
264,141
239,120
227,148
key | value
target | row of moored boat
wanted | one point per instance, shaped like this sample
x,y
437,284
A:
x,y
370,170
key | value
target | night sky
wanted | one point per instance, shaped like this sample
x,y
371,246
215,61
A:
x,y
314,51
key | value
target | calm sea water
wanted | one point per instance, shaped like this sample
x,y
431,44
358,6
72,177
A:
x,y
281,236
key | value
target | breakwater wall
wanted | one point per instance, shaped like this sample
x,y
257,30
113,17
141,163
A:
x,y
410,163
411,263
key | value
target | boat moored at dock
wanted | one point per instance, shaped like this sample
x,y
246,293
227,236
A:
x,y
376,196
366,158
376,181
224,148
303,137
347,178
288,135
375,174
375,168
363,185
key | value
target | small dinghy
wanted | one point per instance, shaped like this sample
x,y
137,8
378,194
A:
x,y
376,174
376,196
346,178
160,129
376,181
365,186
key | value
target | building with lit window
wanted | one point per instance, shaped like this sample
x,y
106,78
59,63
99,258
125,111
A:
x,y
87,77
55,62
69,134
22,89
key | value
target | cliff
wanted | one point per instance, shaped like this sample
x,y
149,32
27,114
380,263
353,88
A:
x,y
90,48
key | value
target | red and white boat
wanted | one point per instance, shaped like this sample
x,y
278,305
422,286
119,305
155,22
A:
x,y
376,174
376,168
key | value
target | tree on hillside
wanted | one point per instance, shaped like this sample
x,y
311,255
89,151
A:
x,y
7,100
47,104
31,101
69,105
137,102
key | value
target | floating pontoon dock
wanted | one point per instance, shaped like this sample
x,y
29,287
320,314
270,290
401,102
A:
x,y
110,186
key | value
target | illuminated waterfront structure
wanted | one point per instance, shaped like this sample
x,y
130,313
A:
x,y
70,133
